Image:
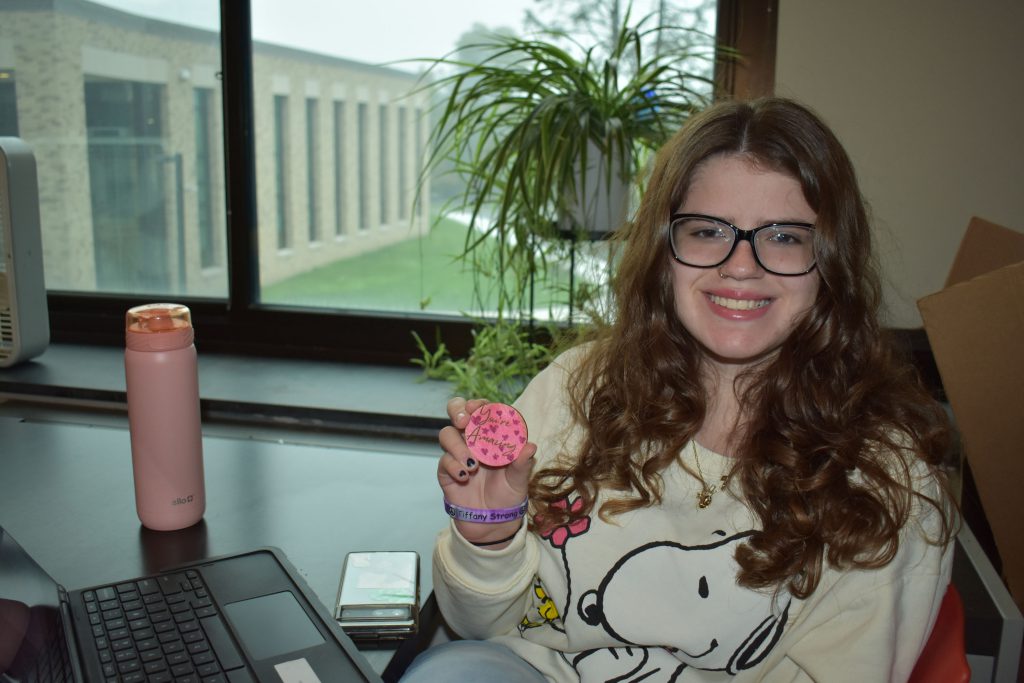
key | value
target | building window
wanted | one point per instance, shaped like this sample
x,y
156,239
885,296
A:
x,y
339,168
384,164
8,104
281,169
419,123
133,187
362,164
311,170
403,164
204,184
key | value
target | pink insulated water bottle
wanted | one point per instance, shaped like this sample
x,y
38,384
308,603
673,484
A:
x,y
163,416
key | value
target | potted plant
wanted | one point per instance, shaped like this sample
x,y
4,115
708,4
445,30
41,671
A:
x,y
550,139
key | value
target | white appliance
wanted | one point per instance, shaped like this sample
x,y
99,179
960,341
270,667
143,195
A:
x,y
24,318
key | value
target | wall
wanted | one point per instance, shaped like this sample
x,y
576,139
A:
x,y
927,96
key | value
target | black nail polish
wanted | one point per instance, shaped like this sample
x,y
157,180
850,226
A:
x,y
470,462
462,474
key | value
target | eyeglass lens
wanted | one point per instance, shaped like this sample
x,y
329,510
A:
x,y
781,249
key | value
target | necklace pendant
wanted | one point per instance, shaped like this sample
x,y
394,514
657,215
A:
x,y
704,497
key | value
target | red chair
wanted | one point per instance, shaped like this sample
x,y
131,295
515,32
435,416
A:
x,y
944,658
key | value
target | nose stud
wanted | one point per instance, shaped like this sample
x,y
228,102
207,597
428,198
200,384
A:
x,y
722,275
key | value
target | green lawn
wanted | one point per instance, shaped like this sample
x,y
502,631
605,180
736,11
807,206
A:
x,y
413,275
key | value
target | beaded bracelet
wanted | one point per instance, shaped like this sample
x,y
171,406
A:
x,y
485,515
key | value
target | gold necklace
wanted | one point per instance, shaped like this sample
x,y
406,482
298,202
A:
x,y
706,491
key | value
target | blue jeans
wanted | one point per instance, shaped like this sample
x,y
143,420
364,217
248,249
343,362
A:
x,y
470,661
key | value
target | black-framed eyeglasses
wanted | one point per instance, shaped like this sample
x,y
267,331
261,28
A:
x,y
707,242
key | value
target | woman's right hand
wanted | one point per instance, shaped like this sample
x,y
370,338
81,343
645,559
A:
x,y
468,483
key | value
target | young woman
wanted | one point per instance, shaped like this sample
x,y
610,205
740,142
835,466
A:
x,y
736,479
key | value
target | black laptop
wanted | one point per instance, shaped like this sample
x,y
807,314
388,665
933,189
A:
x,y
231,619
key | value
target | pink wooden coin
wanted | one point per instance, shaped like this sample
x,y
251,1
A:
x,y
496,434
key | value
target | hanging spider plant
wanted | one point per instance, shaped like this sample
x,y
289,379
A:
x,y
527,124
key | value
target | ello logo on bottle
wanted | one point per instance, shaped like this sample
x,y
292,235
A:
x,y
183,500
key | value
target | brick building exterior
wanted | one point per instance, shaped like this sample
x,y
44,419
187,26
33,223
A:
x,y
125,116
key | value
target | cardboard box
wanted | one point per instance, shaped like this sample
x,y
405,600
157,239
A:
x,y
975,326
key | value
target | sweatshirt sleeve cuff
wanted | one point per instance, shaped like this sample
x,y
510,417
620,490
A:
x,y
485,569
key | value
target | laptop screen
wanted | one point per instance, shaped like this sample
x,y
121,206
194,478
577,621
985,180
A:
x,y
32,644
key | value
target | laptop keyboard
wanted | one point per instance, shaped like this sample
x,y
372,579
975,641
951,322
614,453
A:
x,y
163,629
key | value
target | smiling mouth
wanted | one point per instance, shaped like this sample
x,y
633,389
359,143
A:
x,y
738,304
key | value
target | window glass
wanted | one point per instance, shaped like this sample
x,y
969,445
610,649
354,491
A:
x,y
132,185
281,219
370,245
209,221
312,170
122,102
8,104
123,113
340,153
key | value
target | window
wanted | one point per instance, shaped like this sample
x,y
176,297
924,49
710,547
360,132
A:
x,y
209,255
419,152
8,103
162,148
404,198
133,185
281,171
363,165
384,164
312,207
339,147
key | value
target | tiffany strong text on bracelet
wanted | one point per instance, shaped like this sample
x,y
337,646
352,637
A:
x,y
484,515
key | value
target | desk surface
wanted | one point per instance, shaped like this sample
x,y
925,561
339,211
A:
x,y
66,494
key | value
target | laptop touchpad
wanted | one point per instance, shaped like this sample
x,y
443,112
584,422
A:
x,y
272,625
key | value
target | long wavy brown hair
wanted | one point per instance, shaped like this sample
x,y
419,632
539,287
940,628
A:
x,y
835,399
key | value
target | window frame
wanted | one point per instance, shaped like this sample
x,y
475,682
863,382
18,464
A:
x,y
244,325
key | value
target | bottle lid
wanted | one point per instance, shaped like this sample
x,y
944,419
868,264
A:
x,y
158,327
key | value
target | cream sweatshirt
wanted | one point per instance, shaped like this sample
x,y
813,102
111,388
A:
x,y
652,596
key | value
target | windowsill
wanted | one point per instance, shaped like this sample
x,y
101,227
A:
x,y
288,393
265,392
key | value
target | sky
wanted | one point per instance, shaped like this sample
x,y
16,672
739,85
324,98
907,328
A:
x,y
373,31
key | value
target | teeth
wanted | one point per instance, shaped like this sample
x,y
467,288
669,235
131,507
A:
x,y
739,304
